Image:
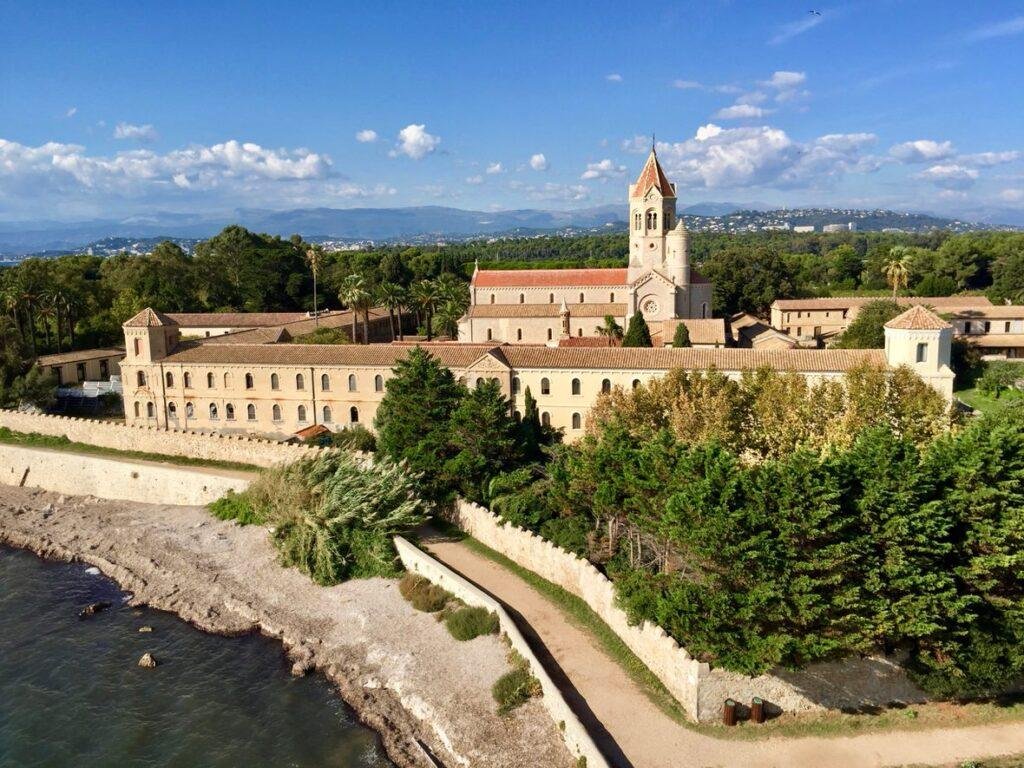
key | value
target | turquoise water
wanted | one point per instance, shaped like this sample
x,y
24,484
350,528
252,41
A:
x,y
71,693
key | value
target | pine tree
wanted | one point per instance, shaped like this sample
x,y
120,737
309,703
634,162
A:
x,y
638,334
682,336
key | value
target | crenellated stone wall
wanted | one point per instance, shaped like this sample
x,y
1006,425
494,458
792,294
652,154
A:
x,y
198,445
700,690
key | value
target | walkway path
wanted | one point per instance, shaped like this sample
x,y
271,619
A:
x,y
634,732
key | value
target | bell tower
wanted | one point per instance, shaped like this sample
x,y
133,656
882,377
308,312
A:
x,y
652,216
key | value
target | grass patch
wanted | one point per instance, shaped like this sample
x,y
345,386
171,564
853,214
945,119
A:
x,y
61,443
467,623
234,506
986,403
423,595
516,687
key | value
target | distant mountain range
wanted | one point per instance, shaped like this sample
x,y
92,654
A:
x,y
422,224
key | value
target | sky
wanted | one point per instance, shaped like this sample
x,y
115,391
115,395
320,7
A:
x,y
119,109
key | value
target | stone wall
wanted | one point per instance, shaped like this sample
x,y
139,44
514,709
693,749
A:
x,y
198,445
576,736
699,689
112,478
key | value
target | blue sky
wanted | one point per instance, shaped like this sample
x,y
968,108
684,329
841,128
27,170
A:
x,y
118,109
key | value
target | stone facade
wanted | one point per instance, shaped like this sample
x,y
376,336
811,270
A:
x,y
71,368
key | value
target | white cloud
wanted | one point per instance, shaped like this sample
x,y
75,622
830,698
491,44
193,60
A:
x,y
922,151
494,168
538,162
1014,26
988,159
847,142
136,132
754,97
638,145
350,191
415,142
783,79
1012,195
603,169
478,179
366,136
614,77
685,85
792,29
71,112
950,176
740,112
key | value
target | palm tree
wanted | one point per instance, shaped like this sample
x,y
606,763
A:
x,y
353,294
896,270
448,315
611,330
315,257
425,296
11,301
392,296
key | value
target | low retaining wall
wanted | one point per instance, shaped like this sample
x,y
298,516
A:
x,y
200,445
700,690
84,475
576,736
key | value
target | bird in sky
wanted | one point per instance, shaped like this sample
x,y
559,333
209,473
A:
x,y
815,13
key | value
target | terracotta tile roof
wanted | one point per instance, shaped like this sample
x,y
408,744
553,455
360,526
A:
x,y
846,302
549,278
235,319
997,312
148,318
917,318
370,355
312,432
546,310
667,358
702,330
653,176
79,356
273,335
589,341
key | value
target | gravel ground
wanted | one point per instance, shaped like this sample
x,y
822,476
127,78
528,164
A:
x,y
397,667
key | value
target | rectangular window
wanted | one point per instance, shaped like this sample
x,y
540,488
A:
x,y
922,353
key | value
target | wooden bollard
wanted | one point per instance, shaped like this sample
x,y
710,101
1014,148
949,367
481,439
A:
x,y
757,710
729,712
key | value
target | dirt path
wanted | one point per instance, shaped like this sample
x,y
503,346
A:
x,y
634,732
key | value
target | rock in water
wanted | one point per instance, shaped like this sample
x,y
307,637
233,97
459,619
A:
x,y
92,609
145,629
147,660
93,571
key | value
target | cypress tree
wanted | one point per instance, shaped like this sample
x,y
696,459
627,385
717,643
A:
x,y
638,334
682,336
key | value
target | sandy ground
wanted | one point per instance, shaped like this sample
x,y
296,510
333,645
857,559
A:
x,y
632,731
398,668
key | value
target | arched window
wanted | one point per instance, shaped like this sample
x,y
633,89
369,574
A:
x,y
275,412
275,381
522,299
611,298
188,380
172,410
169,377
150,410
551,298
137,411
378,383
489,334
576,386
492,298
209,381
515,385
250,412
325,382
545,386
517,416
137,347
637,221
327,413
519,334
213,411
302,413
606,385
227,380
352,382
300,381
582,297
229,412
652,220
140,378
704,309
579,332
549,334
249,381
190,411
353,415
576,421
636,383
545,419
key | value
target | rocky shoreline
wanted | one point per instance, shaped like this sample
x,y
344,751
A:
x,y
397,668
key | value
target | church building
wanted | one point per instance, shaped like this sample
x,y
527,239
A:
x,y
550,306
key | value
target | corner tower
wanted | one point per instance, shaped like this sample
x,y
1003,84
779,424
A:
x,y
652,216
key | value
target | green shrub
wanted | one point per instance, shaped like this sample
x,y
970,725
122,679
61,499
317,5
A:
x,y
234,506
467,623
355,438
423,595
516,687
